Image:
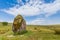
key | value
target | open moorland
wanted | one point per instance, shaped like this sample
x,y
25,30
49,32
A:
x,y
34,32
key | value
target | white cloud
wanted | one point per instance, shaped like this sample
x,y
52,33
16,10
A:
x,y
38,7
10,21
1,20
35,7
24,10
38,21
51,9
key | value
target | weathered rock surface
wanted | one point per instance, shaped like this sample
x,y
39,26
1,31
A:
x,y
19,24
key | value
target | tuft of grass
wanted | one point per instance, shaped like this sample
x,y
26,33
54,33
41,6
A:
x,y
57,31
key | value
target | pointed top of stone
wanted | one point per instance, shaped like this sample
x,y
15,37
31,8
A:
x,y
18,17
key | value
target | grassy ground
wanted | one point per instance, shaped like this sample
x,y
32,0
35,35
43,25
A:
x,y
34,33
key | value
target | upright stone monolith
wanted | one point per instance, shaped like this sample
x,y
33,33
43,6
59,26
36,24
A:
x,y
19,24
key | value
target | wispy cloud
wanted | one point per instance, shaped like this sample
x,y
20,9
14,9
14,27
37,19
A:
x,y
34,7
24,10
37,21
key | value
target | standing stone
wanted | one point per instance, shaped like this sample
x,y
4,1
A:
x,y
19,24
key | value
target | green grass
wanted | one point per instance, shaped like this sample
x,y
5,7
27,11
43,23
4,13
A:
x,y
33,33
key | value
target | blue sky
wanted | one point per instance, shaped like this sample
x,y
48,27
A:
x,y
35,12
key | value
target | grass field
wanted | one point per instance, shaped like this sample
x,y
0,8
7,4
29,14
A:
x,y
34,32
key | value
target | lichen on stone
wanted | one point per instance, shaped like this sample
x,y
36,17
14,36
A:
x,y
19,24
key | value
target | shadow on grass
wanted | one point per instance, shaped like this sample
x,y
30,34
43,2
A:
x,y
21,32
57,32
